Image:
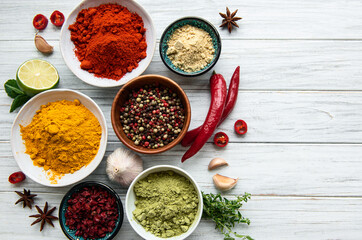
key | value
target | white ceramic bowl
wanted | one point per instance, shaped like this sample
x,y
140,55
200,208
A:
x,y
131,197
67,46
25,117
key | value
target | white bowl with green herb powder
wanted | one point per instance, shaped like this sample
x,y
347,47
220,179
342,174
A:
x,y
164,202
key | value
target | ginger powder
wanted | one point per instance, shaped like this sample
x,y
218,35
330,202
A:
x,y
166,204
190,48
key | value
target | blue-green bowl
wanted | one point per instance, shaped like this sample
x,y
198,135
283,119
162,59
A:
x,y
197,22
70,234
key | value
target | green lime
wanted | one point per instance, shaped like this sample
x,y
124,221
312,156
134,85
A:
x,y
35,76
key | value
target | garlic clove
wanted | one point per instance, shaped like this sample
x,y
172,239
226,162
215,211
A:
x,y
42,45
217,162
224,183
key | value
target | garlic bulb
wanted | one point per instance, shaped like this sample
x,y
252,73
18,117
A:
x,y
123,166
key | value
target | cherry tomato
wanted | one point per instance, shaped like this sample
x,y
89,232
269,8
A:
x,y
221,139
57,18
16,177
40,22
240,127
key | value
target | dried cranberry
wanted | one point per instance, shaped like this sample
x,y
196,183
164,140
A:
x,y
92,213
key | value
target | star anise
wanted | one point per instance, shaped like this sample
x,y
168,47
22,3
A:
x,y
26,198
44,216
229,19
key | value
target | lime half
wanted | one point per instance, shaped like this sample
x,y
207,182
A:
x,y
35,76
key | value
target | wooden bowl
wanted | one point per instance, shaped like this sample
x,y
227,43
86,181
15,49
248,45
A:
x,y
122,96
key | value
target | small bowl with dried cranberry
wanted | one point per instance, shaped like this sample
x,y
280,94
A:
x,y
150,114
91,210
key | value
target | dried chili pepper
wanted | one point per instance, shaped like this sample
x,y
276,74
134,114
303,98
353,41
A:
x,y
221,139
40,22
218,99
230,103
16,177
240,127
57,18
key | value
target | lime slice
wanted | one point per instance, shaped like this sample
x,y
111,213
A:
x,y
35,76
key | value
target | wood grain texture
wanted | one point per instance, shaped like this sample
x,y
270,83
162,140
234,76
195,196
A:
x,y
276,19
265,65
272,218
300,93
272,116
264,169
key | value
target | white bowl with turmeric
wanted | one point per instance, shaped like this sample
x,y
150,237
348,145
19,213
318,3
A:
x,y
164,202
59,137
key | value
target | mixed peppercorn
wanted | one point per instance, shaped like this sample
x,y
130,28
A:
x,y
153,116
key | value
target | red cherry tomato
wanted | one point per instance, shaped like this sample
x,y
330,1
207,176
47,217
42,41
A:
x,y
221,139
40,22
57,18
16,177
240,127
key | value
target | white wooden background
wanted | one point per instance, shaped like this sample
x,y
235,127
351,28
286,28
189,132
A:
x,y
300,93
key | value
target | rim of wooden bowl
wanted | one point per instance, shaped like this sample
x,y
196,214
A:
x,y
122,96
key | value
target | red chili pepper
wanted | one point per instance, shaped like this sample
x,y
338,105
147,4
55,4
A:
x,y
240,127
230,103
218,99
40,22
57,18
221,139
16,177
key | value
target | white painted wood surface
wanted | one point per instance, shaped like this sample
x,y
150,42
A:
x,y
300,93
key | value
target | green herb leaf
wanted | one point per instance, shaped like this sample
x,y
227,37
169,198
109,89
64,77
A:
x,y
243,236
12,88
19,101
225,213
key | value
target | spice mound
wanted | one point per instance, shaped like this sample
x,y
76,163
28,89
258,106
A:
x,y
92,213
153,116
109,40
166,204
190,48
62,137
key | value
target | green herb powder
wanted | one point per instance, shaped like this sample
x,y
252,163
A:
x,y
166,203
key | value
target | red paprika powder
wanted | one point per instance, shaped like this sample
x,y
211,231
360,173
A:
x,y
109,40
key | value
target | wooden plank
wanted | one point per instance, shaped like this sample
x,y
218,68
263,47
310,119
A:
x,y
276,19
272,117
263,169
265,65
275,217
300,93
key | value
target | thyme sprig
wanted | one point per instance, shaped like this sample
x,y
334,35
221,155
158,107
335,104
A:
x,y
225,213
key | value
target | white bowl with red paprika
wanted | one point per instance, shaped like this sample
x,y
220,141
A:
x,y
107,43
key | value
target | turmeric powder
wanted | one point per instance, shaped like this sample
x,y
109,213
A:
x,y
63,137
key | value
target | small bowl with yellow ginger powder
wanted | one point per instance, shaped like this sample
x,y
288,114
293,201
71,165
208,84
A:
x,y
164,202
59,137
190,46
